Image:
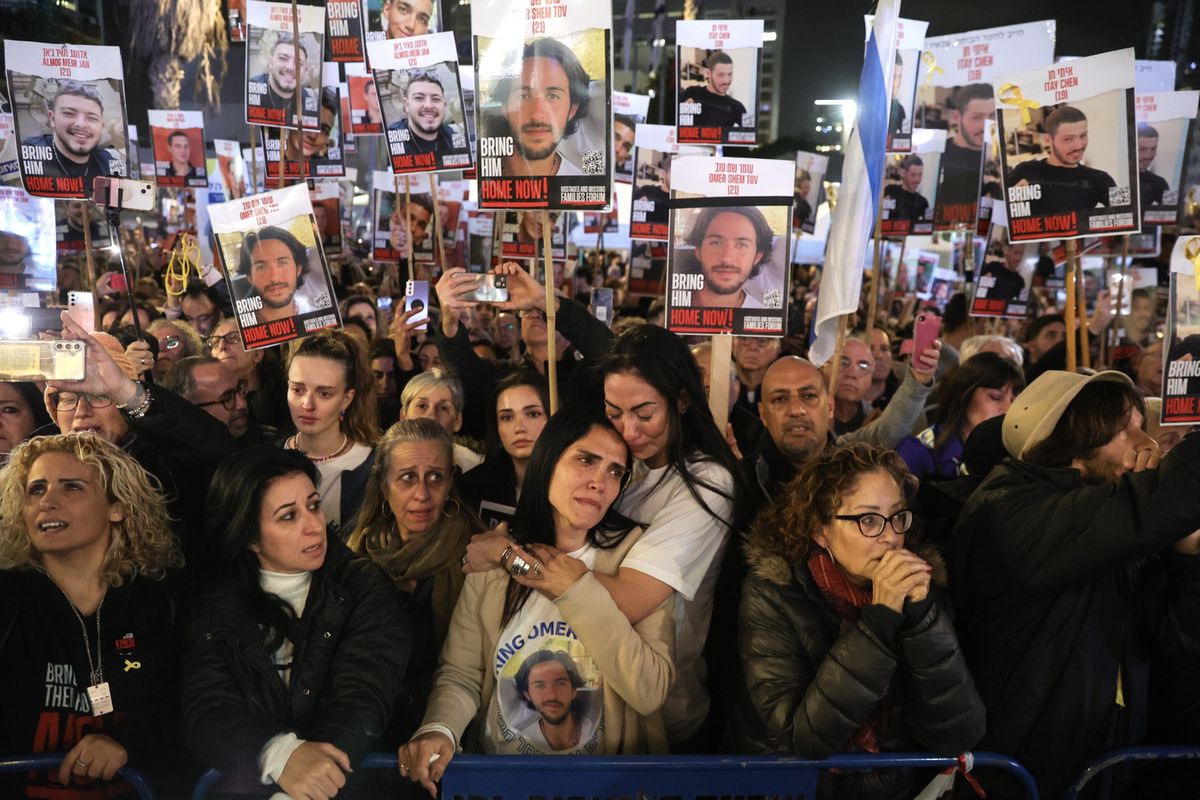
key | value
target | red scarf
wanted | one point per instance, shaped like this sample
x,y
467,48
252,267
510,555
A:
x,y
847,601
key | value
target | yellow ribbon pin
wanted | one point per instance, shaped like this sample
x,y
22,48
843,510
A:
x,y
132,665
931,66
1191,251
1010,95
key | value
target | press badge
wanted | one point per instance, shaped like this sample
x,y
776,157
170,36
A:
x,y
100,698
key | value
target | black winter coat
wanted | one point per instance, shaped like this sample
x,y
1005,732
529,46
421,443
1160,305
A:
x,y
1049,578
351,650
812,679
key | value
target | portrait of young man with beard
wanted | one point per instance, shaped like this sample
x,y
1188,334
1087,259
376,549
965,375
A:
x,y
274,102
1066,184
425,128
731,246
76,122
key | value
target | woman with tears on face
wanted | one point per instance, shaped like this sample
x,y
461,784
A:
x,y
295,650
538,655
86,624
846,634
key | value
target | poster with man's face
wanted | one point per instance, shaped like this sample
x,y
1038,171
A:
x,y
955,93
344,42
647,269
1164,131
810,182
326,198
366,118
277,66
655,147
521,235
349,144
1181,374
480,240
274,265
910,37
231,168
8,143
1069,149
399,19
728,258
393,237
452,200
311,154
718,66
1004,277
629,111
68,104
416,82
544,98
178,142
27,246
910,185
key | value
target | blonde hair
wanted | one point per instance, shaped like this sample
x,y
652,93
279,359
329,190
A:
x,y
142,543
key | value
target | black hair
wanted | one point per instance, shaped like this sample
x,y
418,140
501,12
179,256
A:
x,y
911,160
329,99
358,323
955,316
1041,322
533,521
272,232
127,335
717,57
175,135
985,370
626,120
662,359
1063,115
36,401
1146,131
494,454
578,81
763,235
382,348
963,96
234,503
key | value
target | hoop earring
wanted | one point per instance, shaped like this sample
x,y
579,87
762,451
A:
x,y
384,509
457,508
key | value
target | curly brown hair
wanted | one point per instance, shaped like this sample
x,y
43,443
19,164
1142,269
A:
x,y
808,504
142,543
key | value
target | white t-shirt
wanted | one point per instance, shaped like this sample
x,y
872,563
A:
x,y
565,689
331,480
682,547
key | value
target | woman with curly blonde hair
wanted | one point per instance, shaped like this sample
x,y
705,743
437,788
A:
x,y
846,640
85,621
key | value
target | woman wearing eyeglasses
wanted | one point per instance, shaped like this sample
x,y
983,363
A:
x,y
176,340
847,642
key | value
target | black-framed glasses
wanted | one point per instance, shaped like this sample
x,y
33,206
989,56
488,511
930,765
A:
x,y
229,340
229,398
871,524
66,401
536,313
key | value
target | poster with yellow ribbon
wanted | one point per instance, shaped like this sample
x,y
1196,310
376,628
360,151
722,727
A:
x,y
1068,149
1181,367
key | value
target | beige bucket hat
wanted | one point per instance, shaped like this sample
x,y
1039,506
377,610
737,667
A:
x,y
1036,411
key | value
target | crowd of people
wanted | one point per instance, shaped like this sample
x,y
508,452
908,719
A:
x,y
380,538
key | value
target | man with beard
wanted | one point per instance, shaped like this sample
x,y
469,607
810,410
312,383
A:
x,y
179,149
542,106
903,203
404,18
72,148
730,245
1006,275
420,217
623,129
281,78
275,262
1069,566
314,144
717,108
549,684
424,128
215,387
1153,186
970,107
1066,184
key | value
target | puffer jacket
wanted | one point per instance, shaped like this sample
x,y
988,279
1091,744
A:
x,y
811,678
351,651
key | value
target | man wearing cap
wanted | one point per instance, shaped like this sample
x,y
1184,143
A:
x,y
1062,564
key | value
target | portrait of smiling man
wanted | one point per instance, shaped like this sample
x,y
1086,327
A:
x,y
424,104
731,245
276,264
1066,184
76,122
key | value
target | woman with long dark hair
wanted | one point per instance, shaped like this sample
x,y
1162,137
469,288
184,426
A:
x,y
520,407
684,489
538,654
295,650
331,397
976,390
22,411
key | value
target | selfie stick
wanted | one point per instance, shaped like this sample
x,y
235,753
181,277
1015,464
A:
x,y
551,315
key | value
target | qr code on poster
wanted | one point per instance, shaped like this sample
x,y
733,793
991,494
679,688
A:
x,y
1119,196
593,162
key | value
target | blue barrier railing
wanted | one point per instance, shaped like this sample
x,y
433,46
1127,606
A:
x,y
51,761
519,777
1127,755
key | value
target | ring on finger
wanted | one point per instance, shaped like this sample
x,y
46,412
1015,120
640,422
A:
x,y
82,763
537,568
518,567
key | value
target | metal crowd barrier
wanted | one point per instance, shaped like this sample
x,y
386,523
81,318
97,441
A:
x,y
51,761
1127,755
684,777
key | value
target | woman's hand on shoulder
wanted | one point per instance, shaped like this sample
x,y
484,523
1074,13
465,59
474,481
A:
x,y
484,550
552,572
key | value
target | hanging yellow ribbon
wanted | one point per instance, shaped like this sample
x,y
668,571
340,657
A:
x,y
1191,251
931,66
1010,95
184,259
